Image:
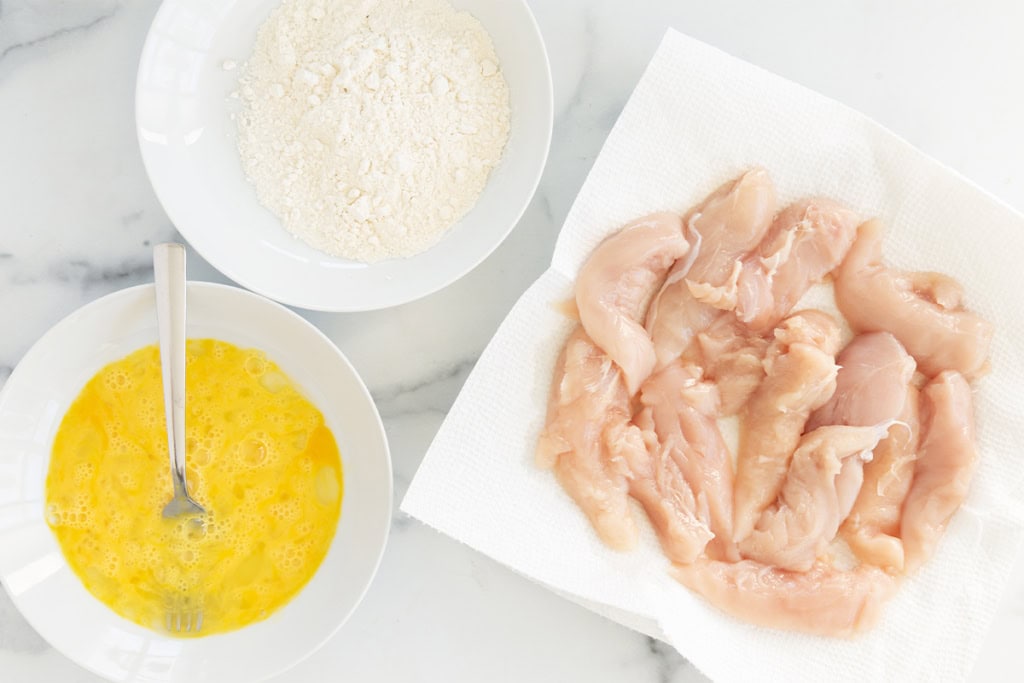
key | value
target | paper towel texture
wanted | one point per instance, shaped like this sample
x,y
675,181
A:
x,y
697,118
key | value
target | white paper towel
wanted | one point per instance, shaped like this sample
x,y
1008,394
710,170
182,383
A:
x,y
697,118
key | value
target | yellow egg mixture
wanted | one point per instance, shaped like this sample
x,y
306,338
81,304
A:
x,y
260,460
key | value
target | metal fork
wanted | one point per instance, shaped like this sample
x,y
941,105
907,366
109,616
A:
x,y
169,277
182,613
183,616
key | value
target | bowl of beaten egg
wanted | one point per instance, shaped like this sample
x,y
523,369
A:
x,y
345,155
285,450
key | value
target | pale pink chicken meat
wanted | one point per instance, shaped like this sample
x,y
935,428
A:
x,y
684,321
800,376
874,374
730,222
732,357
924,311
872,529
615,287
794,532
722,229
849,483
873,387
822,601
806,242
681,414
658,485
588,398
944,467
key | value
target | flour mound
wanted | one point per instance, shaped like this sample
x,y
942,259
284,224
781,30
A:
x,y
370,127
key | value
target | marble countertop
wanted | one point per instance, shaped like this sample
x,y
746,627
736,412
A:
x,y
79,216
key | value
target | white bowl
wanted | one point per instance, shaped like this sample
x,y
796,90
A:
x,y
188,144
50,595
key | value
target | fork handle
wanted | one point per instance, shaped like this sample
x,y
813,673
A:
x,y
169,274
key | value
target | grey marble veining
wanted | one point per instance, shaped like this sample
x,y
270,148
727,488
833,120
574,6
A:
x,y
30,25
79,218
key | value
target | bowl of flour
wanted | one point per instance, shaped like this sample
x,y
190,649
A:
x,y
344,155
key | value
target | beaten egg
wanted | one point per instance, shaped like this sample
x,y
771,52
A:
x,y
260,460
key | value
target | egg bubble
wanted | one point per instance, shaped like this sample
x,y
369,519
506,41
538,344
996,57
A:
x,y
194,479
116,525
127,481
254,365
274,381
54,516
83,472
253,452
201,456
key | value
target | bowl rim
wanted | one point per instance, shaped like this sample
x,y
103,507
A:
x,y
377,425
232,273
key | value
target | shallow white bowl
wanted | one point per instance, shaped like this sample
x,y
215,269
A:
x,y
188,143
50,595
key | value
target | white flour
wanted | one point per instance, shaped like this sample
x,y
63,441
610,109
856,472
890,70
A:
x,y
370,126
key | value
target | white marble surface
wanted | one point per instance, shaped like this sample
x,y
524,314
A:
x,y
77,217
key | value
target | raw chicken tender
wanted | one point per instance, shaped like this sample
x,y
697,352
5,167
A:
x,y
659,486
801,375
944,467
616,284
730,223
588,397
874,387
874,375
873,526
680,408
727,225
794,532
822,601
923,310
806,242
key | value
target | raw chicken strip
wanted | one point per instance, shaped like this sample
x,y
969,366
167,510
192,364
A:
x,y
923,310
730,223
873,527
732,357
801,376
659,486
806,242
587,399
722,229
944,467
616,284
680,408
873,387
823,601
794,532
